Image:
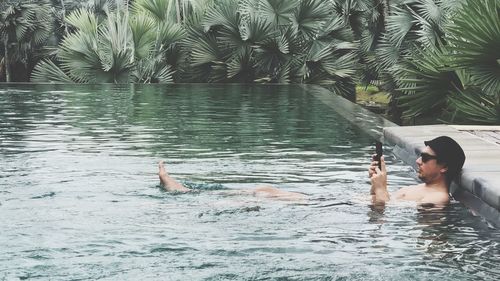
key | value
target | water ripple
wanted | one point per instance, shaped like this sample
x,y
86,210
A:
x,y
80,198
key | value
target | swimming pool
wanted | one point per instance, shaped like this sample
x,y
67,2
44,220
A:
x,y
79,194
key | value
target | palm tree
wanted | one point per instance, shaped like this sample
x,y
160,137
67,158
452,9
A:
x,y
24,27
475,45
124,47
272,41
458,80
394,56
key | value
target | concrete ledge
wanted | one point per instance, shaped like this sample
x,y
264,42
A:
x,y
479,183
371,123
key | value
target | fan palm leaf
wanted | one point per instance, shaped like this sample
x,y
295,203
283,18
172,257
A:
x,y
270,56
426,81
170,33
257,29
206,59
160,10
83,19
472,105
374,25
143,35
114,51
309,17
240,67
223,14
153,71
476,43
47,71
204,47
79,56
278,12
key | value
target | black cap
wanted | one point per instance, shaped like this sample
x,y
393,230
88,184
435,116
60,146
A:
x,y
449,152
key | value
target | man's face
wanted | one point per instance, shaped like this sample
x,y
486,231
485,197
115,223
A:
x,y
428,168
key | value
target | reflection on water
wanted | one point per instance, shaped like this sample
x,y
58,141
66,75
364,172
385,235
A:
x,y
79,195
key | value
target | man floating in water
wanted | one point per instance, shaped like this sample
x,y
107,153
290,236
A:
x,y
439,163
266,191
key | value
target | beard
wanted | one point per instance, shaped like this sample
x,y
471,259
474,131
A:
x,y
422,177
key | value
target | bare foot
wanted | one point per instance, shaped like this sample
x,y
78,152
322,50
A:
x,y
168,182
162,172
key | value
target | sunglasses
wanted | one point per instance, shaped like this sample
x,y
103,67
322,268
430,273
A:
x,y
426,157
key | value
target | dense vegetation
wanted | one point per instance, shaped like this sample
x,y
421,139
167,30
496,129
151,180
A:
x,y
436,58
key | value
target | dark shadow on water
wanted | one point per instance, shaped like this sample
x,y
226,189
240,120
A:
x,y
204,186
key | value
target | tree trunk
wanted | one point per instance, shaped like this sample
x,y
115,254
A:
x,y
348,12
178,11
7,60
183,15
63,8
387,8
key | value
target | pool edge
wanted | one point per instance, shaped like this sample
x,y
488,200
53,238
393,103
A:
x,y
371,123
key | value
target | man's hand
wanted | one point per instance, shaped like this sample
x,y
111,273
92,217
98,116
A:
x,y
378,180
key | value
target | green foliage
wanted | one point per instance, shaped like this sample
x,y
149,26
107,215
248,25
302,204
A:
x,y
122,48
472,105
24,27
426,80
428,54
476,44
49,72
459,81
266,41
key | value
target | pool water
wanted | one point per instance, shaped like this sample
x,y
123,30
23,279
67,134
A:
x,y
80,198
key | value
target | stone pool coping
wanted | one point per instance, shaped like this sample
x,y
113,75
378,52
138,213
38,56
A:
x,y
478,187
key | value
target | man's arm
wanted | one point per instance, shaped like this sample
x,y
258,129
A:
x,y
378,178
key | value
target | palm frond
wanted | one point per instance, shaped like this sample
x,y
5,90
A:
x,y
257,29
270,55
426,81
161,10
341,67
79,57
399,25
153,71
203,47
47,71
143,35
170,33
388,55
278,12
83,19
114,50
223,14
239,66
476,43
309,17
472,105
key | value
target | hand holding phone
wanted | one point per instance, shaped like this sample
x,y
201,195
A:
x,y
378,151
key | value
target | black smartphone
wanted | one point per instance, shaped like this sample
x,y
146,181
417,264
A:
x,y
378,151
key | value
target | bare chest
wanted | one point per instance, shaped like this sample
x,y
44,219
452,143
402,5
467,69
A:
x,y
411,194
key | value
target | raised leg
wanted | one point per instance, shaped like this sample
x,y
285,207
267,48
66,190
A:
x,y
278,194
169,183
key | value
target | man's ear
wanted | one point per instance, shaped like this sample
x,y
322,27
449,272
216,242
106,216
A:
x,y
444,169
